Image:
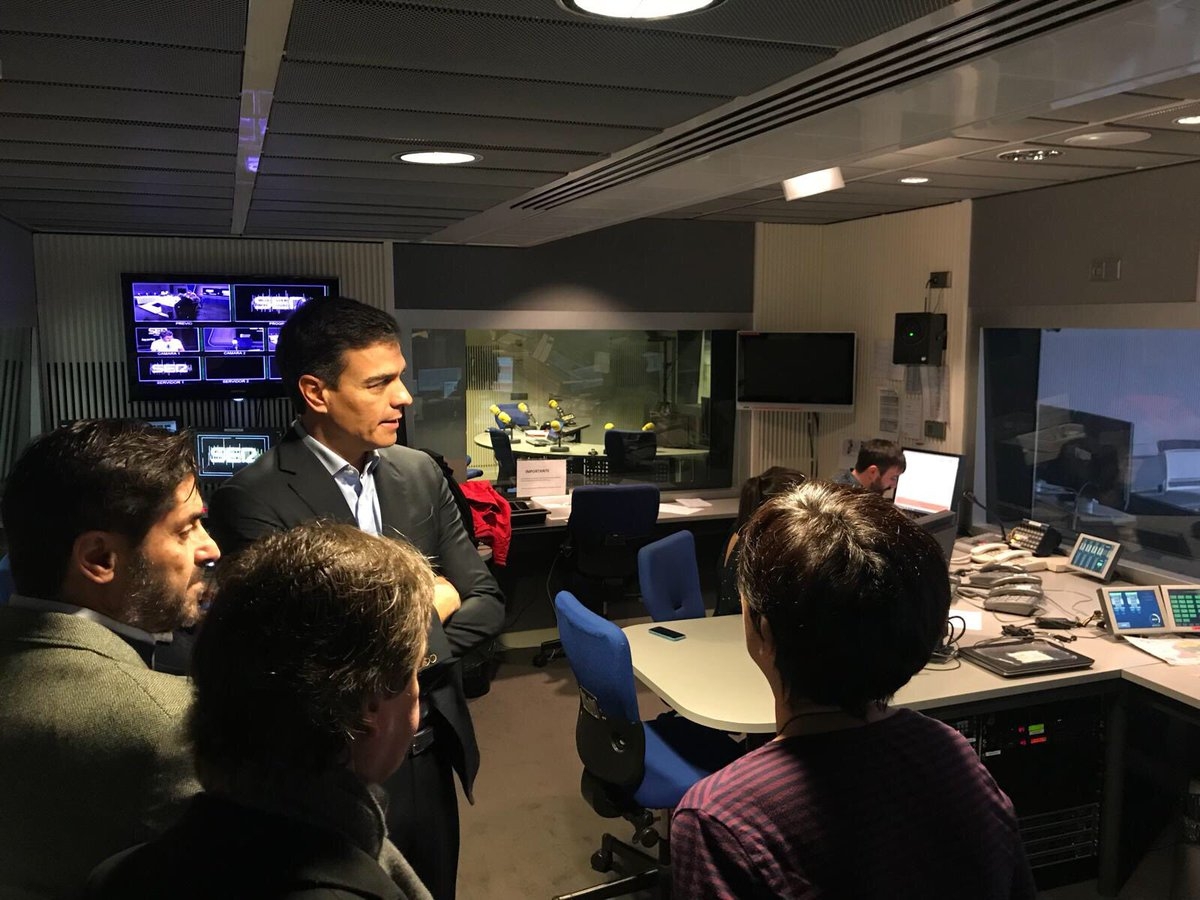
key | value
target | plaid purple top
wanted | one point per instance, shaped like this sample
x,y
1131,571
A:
x,y
901,808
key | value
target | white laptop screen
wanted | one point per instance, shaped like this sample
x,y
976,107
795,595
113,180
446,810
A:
x,y
929,481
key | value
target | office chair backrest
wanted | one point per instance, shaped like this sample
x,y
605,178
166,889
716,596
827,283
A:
x,y
520,419
6,582
630,451
670,578
506,460
609,523
609,733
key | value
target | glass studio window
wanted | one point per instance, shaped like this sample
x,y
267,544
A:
x,y
1097,431
675,385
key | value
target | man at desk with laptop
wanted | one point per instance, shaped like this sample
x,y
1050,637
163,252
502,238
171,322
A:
x,y
844,598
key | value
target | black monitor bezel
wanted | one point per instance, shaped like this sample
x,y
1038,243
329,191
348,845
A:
x,y
204,390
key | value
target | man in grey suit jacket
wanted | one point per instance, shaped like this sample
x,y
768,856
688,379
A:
x,y
107,547
342,363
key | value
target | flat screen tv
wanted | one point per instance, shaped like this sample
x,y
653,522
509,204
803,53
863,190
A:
x,y
809,371
209,337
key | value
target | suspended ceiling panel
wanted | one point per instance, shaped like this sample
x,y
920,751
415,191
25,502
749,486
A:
x,y
125,115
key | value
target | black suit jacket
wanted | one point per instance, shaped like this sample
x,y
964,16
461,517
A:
x,y
288,485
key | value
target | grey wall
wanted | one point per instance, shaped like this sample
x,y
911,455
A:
x,y
654,265
18,295
1036,248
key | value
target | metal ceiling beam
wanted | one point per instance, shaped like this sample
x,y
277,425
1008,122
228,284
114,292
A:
x,y
266,33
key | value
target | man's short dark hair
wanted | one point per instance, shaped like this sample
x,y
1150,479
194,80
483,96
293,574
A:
x,y
880,453
856,594
315,338
91,475
305,627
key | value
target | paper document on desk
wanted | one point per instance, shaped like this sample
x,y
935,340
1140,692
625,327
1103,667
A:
x,y
1177,651
557,506
677,509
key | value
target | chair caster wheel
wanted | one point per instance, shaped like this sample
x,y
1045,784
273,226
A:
x,y
647,837
540,660
601,861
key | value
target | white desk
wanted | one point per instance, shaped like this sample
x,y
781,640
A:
x,y
1181,683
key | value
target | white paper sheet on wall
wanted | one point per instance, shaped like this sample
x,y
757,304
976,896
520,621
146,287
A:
x,y
933,386
889,412
912,419
882,369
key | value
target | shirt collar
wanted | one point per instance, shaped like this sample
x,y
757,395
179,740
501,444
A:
x,y
331,461
70,609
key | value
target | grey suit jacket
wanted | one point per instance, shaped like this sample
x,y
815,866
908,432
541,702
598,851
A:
x,y
288,485
92,755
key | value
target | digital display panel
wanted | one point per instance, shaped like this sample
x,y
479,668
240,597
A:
x,y
1136,608
204,337
221,453
1184,601
1094,556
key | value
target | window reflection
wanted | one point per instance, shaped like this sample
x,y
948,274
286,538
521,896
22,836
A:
x,y
642,402
1097,431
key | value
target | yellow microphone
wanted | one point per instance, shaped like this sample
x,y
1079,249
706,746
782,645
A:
x,y
553,403
649,426
523,407
494,409
505,418
608,425
555,425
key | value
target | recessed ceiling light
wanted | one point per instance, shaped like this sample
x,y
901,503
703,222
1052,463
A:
x,y
637,9
813,183
914,179
1188,120
1108,138
437,157
1030,155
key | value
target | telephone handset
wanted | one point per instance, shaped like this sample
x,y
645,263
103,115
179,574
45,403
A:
x,y
997,552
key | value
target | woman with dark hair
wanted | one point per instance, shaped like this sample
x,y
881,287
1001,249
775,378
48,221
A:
x,y
755,491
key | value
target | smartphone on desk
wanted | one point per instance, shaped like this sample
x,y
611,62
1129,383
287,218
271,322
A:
x,y
669,633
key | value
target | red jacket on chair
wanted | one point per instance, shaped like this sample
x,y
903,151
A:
x,y
492,516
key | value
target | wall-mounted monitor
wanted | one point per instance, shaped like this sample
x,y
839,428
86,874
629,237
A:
x,y
209,337
809,371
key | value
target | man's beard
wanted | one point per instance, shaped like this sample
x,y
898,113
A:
x,y
152,604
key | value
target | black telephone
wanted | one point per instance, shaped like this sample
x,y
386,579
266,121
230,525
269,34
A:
x,y
1038,538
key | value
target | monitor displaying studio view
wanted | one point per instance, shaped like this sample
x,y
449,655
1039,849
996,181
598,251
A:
x,y
209,337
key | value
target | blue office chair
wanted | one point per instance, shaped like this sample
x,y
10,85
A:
x,y
670,578
609,523
630,767
519,419
506,460
6,582
472,471
630,452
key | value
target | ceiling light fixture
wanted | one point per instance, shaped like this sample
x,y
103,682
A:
x,y
813,183
637,9
1108,138
1188,120
914,179
437,157
1031,155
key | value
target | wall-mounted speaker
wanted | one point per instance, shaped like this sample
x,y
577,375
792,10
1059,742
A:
x,y
920,339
